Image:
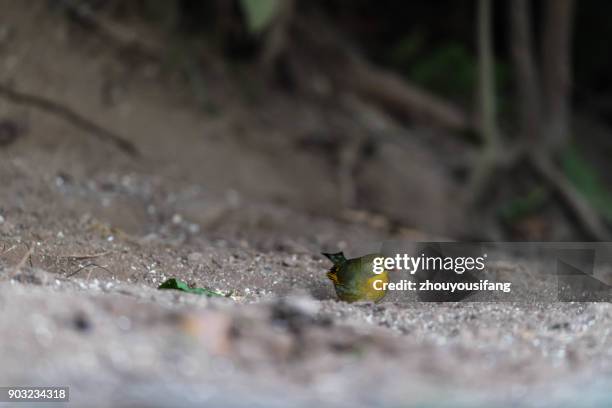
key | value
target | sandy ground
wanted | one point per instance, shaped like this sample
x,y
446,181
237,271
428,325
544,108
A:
x,y
213,202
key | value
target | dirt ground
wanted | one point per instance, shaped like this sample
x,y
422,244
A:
x,y
224,199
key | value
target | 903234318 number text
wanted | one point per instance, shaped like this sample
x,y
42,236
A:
x,y
34,394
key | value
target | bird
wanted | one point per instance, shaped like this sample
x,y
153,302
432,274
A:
x,y
354,279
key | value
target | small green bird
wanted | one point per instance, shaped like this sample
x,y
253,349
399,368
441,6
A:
x,y
354,279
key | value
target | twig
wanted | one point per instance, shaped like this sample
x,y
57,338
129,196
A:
x,y
13,247
89,265
85,257
8,250
21,263
70,115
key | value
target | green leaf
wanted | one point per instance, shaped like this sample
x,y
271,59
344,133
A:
x,y
523,206
259,13
178,284
588,182
431,71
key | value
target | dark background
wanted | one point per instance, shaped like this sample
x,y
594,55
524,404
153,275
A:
x,y
383,99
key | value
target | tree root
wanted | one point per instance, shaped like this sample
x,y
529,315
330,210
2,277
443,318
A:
x,y
68,114
588,218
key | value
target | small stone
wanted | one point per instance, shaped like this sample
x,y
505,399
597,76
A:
x,y
560,326
82,323
290,261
